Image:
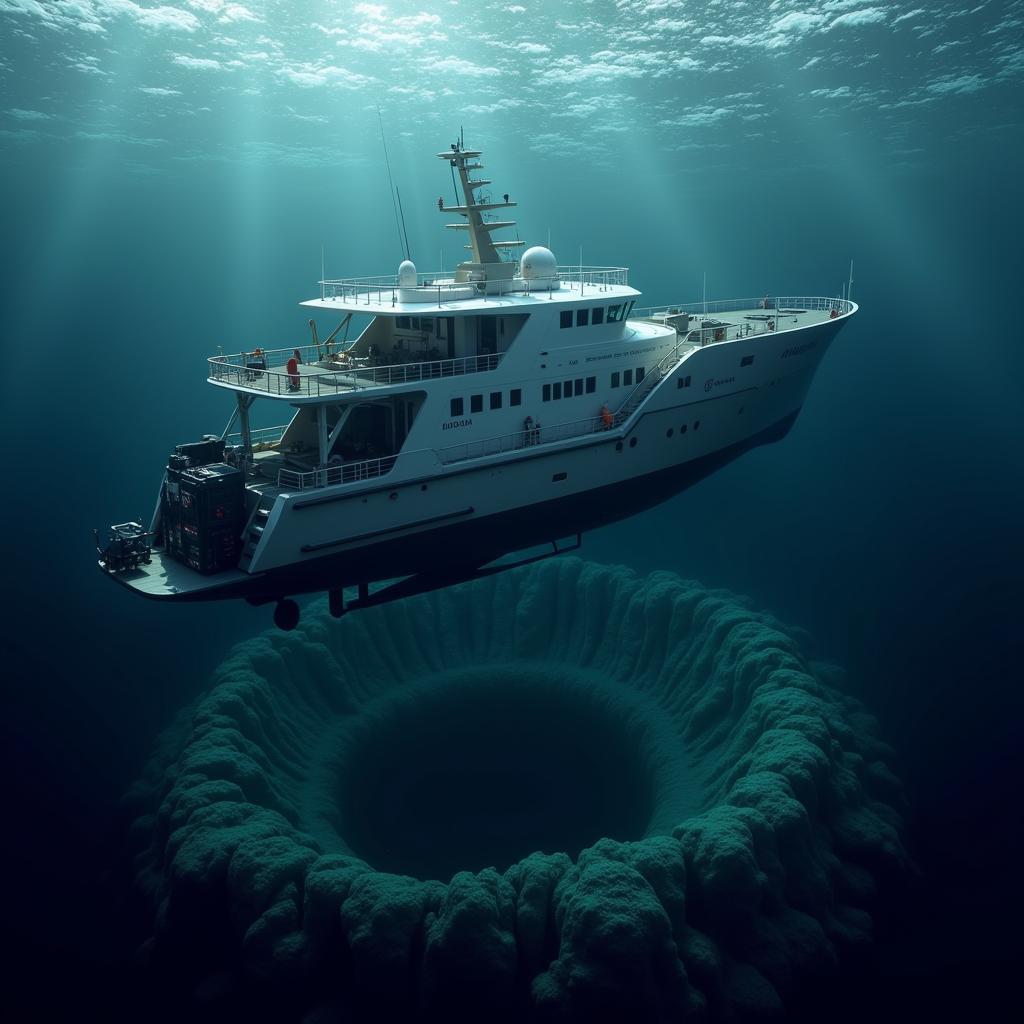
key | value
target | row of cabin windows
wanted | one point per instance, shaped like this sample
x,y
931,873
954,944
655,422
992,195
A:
x,y
627,377
495,400
597,315
568,389
415,323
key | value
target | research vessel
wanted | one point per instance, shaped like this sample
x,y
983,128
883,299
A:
x,y
481,418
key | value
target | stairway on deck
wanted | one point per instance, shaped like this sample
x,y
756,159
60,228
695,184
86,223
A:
x,y
647,385
254,530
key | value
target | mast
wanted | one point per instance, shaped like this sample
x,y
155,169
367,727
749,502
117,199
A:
x,y
486,259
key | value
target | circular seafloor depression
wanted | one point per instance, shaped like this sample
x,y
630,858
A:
x,y
559,793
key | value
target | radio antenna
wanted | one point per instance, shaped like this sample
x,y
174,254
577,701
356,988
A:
x,y
391,185
401,213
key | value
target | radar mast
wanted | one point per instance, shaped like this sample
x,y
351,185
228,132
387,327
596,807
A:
x,y
487,264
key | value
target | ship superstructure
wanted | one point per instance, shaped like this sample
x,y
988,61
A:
x,y
511,404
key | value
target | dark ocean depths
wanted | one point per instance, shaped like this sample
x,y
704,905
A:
x,y
887,524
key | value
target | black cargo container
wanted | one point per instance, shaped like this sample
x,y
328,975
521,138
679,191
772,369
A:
x,y
203,516
202,453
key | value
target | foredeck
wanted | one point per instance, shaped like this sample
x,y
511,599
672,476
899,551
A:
x,y
734,319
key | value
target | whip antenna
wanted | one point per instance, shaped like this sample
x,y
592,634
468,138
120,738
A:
x,y
391,184
401,213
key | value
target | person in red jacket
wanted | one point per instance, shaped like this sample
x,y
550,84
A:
x,y
293,371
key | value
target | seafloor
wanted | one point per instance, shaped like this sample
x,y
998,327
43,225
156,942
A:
x,y
558,794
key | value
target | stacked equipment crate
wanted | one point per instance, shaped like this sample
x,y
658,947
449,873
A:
x,y
203,513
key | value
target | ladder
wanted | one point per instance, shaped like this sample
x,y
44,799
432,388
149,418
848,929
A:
x,y
254,531
643,388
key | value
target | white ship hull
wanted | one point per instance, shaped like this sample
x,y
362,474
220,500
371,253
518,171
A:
x,y
421,522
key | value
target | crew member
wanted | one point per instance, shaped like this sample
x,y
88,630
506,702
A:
x,y
606,417
293,370
440,202
528,430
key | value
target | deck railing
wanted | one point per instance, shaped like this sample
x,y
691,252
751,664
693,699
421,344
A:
x,y
252,373
329,476
442,287
768,304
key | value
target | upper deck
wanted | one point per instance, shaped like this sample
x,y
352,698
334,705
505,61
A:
x,y
392,295
324,372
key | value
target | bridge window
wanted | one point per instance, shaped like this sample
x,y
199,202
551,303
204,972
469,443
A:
x,y
495,399
582,317
614,314
476,403
457,407
591,385
597,315
547,392
515,396
565,318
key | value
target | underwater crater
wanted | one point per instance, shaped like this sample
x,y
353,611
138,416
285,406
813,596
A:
x,y
560,793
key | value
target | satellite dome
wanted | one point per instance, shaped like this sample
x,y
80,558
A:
x,y
407,274
538,263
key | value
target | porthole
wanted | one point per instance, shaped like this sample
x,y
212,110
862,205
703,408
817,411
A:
x,y
423,487
632,442
669,432
696,424
682,429
618,446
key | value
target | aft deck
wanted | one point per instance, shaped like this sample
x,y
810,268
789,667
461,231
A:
x,y
322,373
164,577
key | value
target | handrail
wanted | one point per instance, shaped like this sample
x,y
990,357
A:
x,y
768,303
258,436
330,380
650,381
328,476
386,288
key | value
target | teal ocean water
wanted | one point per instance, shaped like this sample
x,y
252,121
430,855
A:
x,y
174,173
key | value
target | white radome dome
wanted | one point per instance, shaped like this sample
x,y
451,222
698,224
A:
x,y
407,274
538,263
